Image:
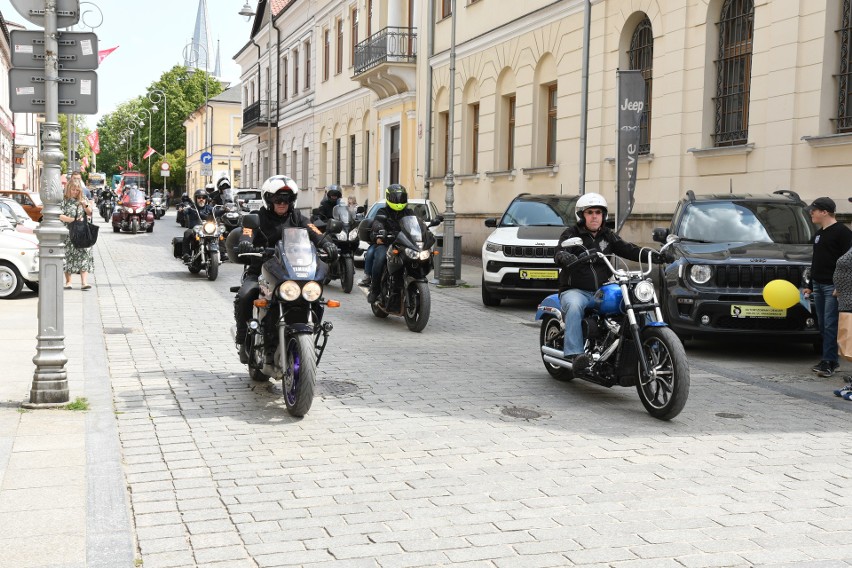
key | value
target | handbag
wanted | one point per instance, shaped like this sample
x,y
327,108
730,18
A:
x,y
82,233
844,335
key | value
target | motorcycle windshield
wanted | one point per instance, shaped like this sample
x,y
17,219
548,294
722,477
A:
x,y
411,232
296,253
342,214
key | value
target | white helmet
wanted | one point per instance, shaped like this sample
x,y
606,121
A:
x,y
223,182
279,185
587,200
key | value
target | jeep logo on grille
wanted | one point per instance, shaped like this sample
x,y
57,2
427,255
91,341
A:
x,y
757,259
539,244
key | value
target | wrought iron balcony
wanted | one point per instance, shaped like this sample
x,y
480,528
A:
x,y
256,117
385,62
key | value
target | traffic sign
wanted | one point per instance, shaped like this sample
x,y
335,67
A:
x,y
165,166
78,91
206,158
77,50
206,169
67,12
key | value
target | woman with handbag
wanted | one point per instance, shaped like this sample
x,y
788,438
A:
x,y
76,207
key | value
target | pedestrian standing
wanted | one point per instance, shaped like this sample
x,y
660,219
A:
x,y
75,206
831,241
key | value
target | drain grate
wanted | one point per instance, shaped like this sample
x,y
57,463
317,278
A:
x,y
729,415
118,330
324,389
523,413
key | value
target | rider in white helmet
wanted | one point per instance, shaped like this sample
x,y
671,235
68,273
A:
x,y
578,285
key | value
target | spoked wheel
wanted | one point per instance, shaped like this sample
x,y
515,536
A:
x,y
347,279
417,306
300,374
213,266
551,336
665,392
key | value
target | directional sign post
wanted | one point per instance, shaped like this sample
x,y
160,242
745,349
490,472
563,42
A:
x,y
206,164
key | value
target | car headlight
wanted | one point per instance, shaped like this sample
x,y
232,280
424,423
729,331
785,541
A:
x,y
209,228
806,276
700,273
644,291
493,247
312,291
289,291
353,235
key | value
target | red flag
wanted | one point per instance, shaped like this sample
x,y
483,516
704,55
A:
x,y
148,153
121,169
130,165
104,52
85,161
94,141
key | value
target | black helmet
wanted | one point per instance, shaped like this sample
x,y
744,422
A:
x,y
396,197
200,194
333,193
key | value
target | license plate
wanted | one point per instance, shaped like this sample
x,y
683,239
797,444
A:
x,y
539,274
757,312
254,204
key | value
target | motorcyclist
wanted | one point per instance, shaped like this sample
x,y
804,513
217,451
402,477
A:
x,y
383,230
577,287
328,203
195,216
220,191
279,194
131,195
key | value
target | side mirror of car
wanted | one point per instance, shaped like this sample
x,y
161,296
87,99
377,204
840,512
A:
x,y
659,235
491,222
251,221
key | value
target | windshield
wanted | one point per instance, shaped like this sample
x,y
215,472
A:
x,y
16,208
411,226
556,212
762,222
135,195
296,247
342,213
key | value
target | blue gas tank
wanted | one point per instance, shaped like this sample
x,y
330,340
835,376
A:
x,y
608,299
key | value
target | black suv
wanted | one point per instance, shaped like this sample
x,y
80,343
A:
x,y
730,246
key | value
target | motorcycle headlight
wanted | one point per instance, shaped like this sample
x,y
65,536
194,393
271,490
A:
x,y
353,235
312,291
411,253
425,254
644,291
493,247
289,291
341,236
209,228
700,273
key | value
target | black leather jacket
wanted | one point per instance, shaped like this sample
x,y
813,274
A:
x,y
269,231
586,276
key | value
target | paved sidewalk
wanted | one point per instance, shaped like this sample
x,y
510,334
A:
x,y
62,492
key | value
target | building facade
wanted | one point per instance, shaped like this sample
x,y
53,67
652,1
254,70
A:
x,y
215,128
743,95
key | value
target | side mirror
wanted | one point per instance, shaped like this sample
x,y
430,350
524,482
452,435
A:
x,y
659,235
491,222
572,242
360,209
251,221
438,219
333,226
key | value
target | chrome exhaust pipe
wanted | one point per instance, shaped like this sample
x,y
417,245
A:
x,y
557,362
551,351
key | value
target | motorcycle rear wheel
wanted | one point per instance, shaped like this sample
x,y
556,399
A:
x,y
212,267
665,394
347,279
550,331
418,305
300,378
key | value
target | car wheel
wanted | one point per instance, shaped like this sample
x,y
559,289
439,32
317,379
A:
x,y
10,281
488,298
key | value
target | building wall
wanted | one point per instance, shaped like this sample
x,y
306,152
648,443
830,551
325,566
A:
x,y
225,123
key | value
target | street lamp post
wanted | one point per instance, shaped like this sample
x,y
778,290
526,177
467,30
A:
x,y
447,272
155,96
127,137
192,56
150,119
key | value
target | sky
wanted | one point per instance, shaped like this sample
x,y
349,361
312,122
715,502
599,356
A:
x,y
151,36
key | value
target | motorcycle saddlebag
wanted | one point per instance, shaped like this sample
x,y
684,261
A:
x,y
177,247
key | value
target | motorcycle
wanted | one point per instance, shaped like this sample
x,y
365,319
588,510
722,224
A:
x,y
106,207
133,214
626,341
404,290
158,205
203,248
346,241
180,216
287,335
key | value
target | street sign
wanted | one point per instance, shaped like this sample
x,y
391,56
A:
x,y
67,12
165,169
78,91
77,50
206,169
206,158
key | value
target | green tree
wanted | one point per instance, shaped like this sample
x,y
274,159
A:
x,y
81,147
177,172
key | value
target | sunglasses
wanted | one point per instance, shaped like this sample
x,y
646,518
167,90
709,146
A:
x,y
280,199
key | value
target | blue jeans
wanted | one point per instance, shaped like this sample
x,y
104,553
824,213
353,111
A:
x,y
827,314
379,261
368,259
574,303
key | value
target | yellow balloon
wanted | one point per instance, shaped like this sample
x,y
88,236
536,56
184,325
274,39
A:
x,y
781,294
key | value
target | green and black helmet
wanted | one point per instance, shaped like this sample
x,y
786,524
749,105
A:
x,y
396,196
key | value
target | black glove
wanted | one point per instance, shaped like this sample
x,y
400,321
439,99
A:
x,y
564,258
657,258
331,250
244,247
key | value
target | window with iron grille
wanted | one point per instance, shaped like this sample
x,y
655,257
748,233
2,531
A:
x,y
307,49
733,72
326,54
641,56
551,125
339,46
844,79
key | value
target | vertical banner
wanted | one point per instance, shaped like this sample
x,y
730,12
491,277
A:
x,y
631,104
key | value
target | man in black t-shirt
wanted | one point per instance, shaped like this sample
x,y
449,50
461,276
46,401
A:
x,y
831,241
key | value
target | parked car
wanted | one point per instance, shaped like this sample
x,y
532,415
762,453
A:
x,y
423,208
248,200
18,260
31,202
13,211
517,257
730,246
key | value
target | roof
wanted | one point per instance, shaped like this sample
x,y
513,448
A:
x,y
279,6
230,95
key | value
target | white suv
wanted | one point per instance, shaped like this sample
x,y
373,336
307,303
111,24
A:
x,y
517,258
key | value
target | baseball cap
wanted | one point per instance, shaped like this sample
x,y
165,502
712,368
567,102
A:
x,y
823,204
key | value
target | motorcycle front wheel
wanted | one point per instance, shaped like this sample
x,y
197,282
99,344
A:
x,y
300,374
550,332
347,279
665,392
212,266
418,304
134,226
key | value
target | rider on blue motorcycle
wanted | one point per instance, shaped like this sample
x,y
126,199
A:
x,y
577,288
195,216
279,195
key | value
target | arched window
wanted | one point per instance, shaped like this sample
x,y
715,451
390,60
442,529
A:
x,y
641,57
844,108
733,72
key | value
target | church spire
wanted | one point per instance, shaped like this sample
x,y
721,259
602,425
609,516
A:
x,y
217,70
199,55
